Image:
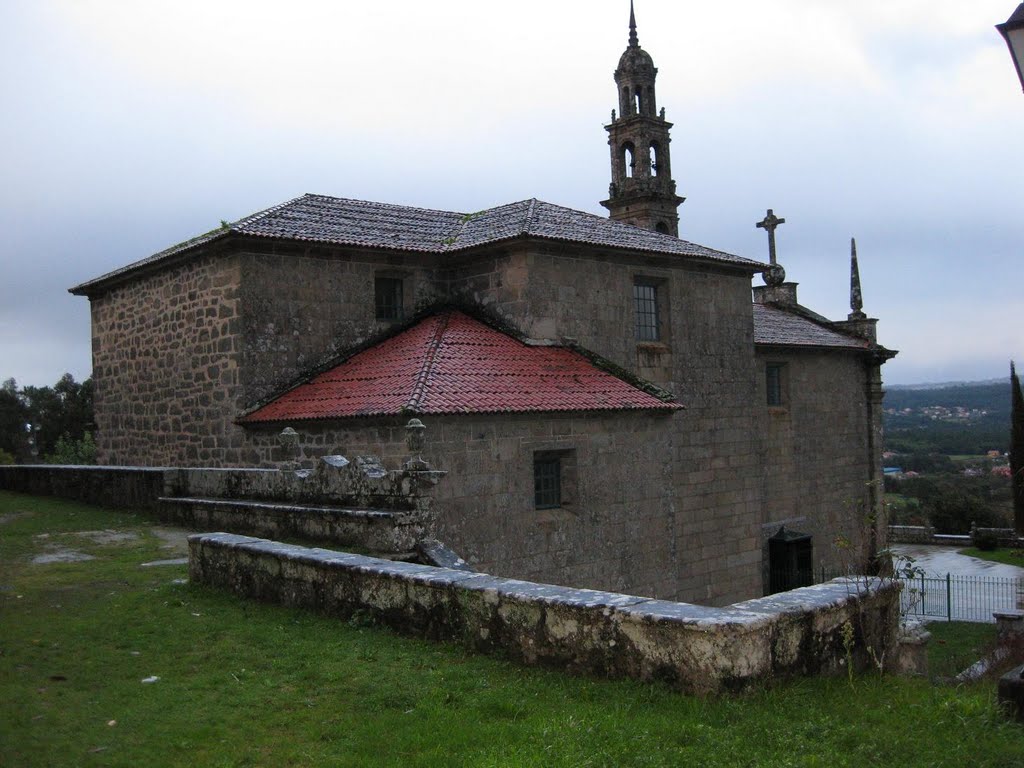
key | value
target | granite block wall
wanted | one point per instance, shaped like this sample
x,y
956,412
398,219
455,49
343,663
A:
x,y
166,364
818,472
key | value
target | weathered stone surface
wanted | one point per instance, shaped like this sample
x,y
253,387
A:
x,y
116,487
698,648
912,650
1011,692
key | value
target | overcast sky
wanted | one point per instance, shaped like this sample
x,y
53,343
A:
x,y
130,126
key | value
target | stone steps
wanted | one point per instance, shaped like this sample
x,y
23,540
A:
x,y
387,533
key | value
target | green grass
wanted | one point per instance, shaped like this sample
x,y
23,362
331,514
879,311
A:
x,y
1007,556
245,684
955,645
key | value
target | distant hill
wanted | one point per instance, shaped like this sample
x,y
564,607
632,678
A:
x,y
991,396
948,384
958,418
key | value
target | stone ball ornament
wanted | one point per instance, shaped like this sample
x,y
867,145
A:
x,y
774,275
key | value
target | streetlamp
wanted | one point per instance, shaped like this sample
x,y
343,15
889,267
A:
x,y
1013,31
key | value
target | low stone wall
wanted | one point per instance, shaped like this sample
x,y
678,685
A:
x,y
363,482
1004,537
380,531
925,534
116,487
911,534
698,649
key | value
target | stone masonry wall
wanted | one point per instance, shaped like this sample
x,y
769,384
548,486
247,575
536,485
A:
x,y
704,357
817,466
165,362
617,529
302,305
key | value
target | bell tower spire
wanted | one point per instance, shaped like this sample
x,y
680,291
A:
x,y
642,191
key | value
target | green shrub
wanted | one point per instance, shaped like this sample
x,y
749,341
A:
x,y
986,541
68,451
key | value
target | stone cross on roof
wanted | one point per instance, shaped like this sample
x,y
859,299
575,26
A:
x,y
775,274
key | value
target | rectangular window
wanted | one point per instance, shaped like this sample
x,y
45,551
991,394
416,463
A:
x,y
774,376
547,481
387,297
648,321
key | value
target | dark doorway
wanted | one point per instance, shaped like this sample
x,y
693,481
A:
x,y
790,561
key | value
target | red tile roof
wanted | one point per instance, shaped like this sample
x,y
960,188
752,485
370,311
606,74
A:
x,y
452,363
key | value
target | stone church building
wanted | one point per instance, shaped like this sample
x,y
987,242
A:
x,y
613,409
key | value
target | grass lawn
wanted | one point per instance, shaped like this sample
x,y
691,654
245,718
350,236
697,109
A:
x,y
244,684
955,645
1008,556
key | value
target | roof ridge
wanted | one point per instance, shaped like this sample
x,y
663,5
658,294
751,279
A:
x,y
530,211
420,385
245,220
380,204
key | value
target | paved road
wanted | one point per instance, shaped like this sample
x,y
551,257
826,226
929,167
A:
x,y
938,561
977,587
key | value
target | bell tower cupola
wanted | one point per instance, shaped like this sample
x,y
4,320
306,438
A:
x,y
642,191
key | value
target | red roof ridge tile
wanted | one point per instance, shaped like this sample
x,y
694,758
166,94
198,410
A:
x,y
422,376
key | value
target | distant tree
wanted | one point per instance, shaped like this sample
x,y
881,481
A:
x,y
14,422
1017,450
63,410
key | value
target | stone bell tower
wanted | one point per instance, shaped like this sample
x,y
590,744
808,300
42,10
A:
x,y
642,191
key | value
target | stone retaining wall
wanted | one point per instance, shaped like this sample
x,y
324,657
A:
x,y
925,534
696,648
362,482
135,488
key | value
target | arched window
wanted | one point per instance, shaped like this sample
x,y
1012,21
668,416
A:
x,y
638,101
654,158
628,159
662,227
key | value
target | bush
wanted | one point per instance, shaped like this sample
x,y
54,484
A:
x,y
5,457
987,541
68,451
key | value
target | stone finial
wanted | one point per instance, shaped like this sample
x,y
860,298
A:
x,y
415,435
634,41
856,299
289,441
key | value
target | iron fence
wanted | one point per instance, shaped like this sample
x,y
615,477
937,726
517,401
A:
x,y
955,598
961,598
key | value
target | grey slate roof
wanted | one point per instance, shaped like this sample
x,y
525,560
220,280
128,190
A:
x,y
778,327
338,221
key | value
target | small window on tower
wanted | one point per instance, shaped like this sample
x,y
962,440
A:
x,y
387,297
